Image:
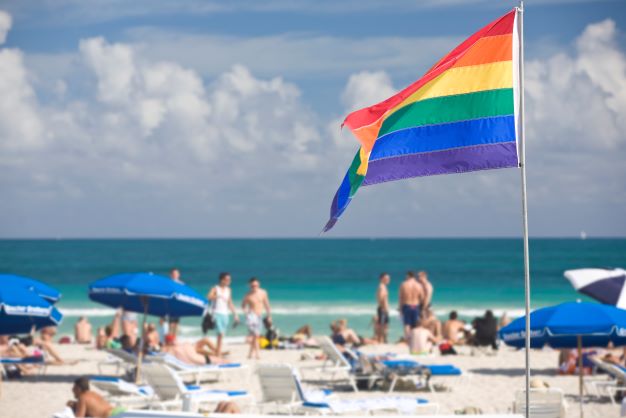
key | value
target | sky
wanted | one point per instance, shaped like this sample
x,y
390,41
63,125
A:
x,y
157,118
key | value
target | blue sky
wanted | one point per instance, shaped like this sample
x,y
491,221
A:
x,y
213,119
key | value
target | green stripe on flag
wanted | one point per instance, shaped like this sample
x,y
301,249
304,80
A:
x,y
448,109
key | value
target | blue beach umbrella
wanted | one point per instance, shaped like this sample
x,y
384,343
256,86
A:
x,y
149,294
22,309
44,291
570,325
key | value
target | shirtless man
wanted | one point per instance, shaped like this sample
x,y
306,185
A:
x,y
253,304
381,327
82,331
89,403
422,278
201,353
410,299
453,329
421,340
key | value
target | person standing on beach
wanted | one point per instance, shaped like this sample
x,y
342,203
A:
x,y
222,299
255,301
381,327
422,278
410,300
173,320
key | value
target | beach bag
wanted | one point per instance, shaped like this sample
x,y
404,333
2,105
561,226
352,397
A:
x,y
447,349
208,322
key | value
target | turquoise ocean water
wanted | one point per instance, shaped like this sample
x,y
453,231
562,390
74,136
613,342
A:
x,y
313,281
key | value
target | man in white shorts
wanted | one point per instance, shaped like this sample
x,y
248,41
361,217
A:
x,y
221,297
253,304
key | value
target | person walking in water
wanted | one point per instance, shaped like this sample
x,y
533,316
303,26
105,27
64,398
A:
x,y
255,301
381,327
410,301
222,299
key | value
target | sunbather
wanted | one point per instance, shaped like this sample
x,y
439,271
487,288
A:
x,y
45,342
22,348
201,353
342,335
421,340
453,329
89,403
227,407
82,331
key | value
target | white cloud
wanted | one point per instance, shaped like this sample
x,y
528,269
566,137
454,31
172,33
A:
x,y
20,125
151,140
5,25
367,88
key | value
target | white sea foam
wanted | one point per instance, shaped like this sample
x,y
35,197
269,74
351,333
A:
x,y
322,310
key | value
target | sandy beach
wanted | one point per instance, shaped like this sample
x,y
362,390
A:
x,y
489,383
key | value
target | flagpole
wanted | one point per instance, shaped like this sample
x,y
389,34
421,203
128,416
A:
x,y
522,152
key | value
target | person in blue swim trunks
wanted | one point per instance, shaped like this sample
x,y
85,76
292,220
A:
x,y
410,301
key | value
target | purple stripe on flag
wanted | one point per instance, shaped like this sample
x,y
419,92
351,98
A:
x,y
456,160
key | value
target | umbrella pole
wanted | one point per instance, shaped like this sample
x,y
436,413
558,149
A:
x,y
580,372
143,341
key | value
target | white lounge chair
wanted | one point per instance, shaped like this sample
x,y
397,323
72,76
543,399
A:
x,y
120,359
171,392
610,386
209,372
544,403
282,389
335,368
17,361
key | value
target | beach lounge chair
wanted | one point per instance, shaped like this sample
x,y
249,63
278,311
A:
x,y
544,403
281,388
197,373
616,381
404,367
336,367
171,392
5,362
120,359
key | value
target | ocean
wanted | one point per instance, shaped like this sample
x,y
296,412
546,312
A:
x,y
314,281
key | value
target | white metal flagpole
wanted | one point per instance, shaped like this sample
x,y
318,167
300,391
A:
x,y
522,151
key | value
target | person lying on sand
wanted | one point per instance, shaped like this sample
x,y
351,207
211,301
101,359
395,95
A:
x,y
89,403
200,353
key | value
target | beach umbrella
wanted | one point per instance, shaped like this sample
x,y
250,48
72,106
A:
x,y
44,291
604,285
150,294
570,325
21,310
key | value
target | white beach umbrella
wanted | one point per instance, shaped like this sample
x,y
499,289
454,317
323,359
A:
x,y
604,285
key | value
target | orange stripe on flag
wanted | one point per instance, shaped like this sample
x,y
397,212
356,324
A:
x,y
487,50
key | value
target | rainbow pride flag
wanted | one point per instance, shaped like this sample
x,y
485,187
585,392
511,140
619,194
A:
x,y
460,116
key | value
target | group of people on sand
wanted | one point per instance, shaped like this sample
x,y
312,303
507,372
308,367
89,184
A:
x,y
39,348
123,331
422,330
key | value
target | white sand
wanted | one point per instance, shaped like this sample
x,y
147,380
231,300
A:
x,y
490,383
